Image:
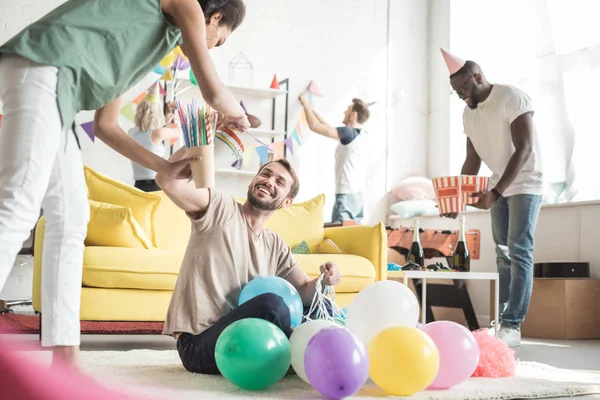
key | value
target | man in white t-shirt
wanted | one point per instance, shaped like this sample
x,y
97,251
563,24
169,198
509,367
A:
x,y
350,166
498,122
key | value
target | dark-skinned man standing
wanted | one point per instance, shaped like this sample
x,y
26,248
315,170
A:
x,y
498,122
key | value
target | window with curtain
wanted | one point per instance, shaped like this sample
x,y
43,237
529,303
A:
x,y
551,50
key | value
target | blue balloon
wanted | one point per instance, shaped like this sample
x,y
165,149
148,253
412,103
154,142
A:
x,y
279,286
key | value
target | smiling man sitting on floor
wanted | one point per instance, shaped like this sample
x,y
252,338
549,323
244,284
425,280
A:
x,y
228,247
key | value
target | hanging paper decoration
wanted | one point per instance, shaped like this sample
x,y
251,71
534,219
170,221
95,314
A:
x,y
289,143
233,142
277,149
127,112
296,137
312,89
263,153
88,128
139,99
237,164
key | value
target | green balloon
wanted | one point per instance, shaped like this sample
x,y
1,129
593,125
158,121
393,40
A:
x,y
193,78
253,354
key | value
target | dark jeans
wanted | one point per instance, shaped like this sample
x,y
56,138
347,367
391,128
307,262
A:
x,y
148,185
197,352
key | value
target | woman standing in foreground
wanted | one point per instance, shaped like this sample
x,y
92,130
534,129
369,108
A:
x,y
83,56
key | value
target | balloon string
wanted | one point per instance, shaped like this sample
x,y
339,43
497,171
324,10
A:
x,y
324,294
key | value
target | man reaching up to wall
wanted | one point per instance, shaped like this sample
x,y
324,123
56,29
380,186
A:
x,y
350,166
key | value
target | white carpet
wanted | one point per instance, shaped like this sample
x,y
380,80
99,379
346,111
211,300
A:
x,y
157,375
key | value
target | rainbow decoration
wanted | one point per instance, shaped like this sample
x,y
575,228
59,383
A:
x,y
232,141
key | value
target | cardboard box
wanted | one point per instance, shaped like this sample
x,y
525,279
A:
x,y
562,309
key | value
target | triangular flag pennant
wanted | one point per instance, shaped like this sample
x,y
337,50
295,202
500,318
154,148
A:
x,y
453,63
275,83
237,164
277,148
299,129
139,99
371,103
127,112
303,120
312,89
289,143
88,128
296,137
0,120
263,153
162,90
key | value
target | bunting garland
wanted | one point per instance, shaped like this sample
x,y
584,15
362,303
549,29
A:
x,y
266,152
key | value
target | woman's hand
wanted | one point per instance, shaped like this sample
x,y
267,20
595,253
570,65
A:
x,y
224,122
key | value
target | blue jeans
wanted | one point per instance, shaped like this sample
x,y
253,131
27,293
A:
x,y
513,225
348,206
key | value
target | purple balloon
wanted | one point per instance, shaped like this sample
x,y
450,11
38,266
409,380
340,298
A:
x,y
419,325
336,362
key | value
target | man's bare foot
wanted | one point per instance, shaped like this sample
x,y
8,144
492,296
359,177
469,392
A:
x,y
65,356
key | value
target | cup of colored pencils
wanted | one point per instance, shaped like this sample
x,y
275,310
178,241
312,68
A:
x,y
199,124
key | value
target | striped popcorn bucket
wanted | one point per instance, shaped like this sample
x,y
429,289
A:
x,y
447,192
472,184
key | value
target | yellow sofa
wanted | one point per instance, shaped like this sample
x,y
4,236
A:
x,y
132,278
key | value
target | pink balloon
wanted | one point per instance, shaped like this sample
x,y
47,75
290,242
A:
x,y
459,353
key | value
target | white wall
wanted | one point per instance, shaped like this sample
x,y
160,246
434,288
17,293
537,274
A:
x,y
565,232
342,46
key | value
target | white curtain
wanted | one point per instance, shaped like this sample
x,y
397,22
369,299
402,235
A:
x,y
551,50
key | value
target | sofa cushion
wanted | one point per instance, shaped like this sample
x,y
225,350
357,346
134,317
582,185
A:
x,y
357,272
300,222
122,268
143,205
113,225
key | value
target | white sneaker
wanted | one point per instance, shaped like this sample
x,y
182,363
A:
x,y
511,336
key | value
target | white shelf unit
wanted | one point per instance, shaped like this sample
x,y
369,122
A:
x,y
234,171
266,133
257,92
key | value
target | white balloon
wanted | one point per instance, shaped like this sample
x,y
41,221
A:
x,y
379,306
299,340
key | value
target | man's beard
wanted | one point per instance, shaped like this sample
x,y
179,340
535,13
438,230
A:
x,y
260,204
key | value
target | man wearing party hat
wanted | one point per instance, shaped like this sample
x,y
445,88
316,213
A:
x,y
498,122
151,133
349,157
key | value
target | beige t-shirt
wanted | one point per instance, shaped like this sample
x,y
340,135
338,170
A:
x,y
222,256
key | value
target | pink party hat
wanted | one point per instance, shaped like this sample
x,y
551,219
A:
x,y
453,63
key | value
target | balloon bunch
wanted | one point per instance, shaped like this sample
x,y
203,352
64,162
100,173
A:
x,y
377,336
406,358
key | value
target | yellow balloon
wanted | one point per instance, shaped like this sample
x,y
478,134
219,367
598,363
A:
x,y
404,360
